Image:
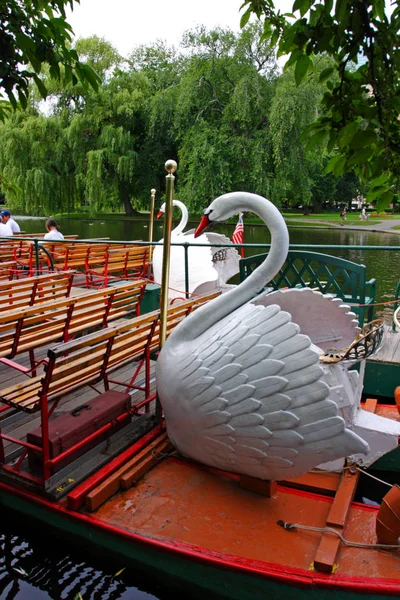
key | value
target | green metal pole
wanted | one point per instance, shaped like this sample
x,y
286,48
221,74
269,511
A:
x,y
37,257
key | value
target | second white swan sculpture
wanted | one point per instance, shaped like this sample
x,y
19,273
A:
x,y
210,267
242,389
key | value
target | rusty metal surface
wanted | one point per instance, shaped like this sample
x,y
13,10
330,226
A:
x,y
180,502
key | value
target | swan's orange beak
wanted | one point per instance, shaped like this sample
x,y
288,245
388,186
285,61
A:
x,y
204,222
159,214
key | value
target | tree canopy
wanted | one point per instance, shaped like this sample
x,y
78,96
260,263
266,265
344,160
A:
x,y
34,34
217,104
361,104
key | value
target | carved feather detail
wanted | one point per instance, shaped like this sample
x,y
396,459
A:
x,y
256,398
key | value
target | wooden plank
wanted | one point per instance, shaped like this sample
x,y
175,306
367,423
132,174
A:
x,y
133,475
258,486
390,348
370,405
329,545
344,497
318,483
109,486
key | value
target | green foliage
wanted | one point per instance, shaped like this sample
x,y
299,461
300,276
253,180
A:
x,y
298,159
220,109
362,87
33,34
34,156
221,115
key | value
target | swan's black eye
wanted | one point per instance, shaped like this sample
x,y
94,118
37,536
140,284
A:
x,y
208,211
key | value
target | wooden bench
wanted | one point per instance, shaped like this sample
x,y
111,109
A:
x,y
126,263
70,256
92,357
25,258
42,234
7,269
40,325
34,290
74,256
8,249
328,274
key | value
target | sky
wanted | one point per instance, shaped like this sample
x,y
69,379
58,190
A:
x,y
128,23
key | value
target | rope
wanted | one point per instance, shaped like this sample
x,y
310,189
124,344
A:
x,y
294,526
375,304
179,291
353,468
357,468
159,455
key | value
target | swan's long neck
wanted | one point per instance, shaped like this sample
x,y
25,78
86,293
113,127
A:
x,y
213,312
184,218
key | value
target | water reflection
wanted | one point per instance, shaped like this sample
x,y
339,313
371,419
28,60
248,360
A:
x,y
31,569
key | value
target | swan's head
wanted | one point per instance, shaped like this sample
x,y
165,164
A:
x,y
161,211
224,207
220,209
174,203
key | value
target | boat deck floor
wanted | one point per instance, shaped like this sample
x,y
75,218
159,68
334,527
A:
x,y
183,503
389,351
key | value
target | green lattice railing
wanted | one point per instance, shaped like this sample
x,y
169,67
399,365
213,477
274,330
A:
x,y
329,274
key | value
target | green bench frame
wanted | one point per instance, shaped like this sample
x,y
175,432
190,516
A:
x,y
329,274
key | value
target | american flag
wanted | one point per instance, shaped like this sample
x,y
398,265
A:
x,y
238,234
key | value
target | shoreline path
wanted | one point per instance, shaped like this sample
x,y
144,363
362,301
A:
x,y
382,227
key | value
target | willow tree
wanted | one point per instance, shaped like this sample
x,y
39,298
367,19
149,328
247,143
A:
x,y
293,109
221,117
34,155
162,66
105,139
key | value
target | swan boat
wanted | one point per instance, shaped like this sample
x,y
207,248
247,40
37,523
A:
x,y
253,484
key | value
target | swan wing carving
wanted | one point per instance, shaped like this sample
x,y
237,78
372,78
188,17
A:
x,y
326,320
251,399
225,260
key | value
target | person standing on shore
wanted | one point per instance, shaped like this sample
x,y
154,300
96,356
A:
x,y
343,216
7,220
53,231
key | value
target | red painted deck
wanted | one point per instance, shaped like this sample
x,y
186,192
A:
x,y
179,502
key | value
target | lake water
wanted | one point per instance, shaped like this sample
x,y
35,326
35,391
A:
x,y
383,265
32,568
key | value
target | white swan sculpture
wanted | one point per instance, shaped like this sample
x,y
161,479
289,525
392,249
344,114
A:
x,y
209,267
242,389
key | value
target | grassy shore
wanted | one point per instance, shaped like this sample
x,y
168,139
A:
x,y
293,219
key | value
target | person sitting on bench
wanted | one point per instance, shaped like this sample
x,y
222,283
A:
x,y
7,220
53,231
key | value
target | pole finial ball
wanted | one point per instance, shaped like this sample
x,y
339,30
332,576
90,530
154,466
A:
x,y
153,191
170,166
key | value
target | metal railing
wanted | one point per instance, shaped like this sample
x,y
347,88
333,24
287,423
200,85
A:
x,y
38,244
